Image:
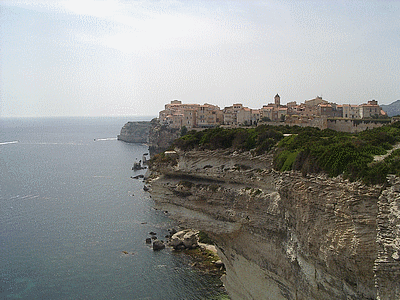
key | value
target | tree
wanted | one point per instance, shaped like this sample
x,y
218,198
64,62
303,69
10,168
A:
x,y
184,130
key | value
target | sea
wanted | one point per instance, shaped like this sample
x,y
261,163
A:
x,y
73,223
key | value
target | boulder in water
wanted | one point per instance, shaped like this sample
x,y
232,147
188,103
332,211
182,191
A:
x,y
190,240
186,238
158,245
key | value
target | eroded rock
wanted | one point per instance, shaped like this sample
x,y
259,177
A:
x,y
184,239
283,235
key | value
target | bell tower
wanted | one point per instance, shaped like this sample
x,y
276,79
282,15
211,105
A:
x,y
277,100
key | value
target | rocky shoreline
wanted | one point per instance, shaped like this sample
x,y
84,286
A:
x,y
204,256
282,235
203,252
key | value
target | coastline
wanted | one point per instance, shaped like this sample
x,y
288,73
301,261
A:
x,y
84,217
204,257
267,225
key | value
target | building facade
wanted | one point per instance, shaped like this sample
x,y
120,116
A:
x,y
207,115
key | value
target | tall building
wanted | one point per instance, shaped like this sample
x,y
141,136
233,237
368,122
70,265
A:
x,y
277,100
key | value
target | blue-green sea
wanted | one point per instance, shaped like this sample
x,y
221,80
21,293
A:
x,y
68,210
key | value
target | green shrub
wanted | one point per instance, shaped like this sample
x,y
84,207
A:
x,y
204,238
393,162
161,158
184,130
309,149
236,139
341,153
285,160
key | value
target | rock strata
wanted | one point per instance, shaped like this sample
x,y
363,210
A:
x,y
282,235
387,264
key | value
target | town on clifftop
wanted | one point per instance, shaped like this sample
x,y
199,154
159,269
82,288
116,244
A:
x,y
315,112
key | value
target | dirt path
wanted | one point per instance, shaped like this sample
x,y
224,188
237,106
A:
x,y
382,157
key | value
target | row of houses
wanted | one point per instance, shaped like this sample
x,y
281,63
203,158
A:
x,y
319,107
177,114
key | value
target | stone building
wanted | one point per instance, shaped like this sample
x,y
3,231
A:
x,y
371,109
351,111
177,114
209,115
255,116
244,116
237,114
314,102
230,114
274,111
330,110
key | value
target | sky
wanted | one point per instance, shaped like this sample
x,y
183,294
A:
x,y
128,57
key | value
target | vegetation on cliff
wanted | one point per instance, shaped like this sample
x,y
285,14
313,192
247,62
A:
x,y
309,150
260,139
313,150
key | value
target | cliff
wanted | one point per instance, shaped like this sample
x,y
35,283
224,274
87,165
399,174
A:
x,y
161,137
283,235
157,136
135,132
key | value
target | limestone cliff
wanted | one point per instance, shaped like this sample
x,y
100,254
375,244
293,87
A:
x,y
135,132
282,235
161,136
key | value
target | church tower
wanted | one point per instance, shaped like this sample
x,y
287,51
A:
x,y
277,100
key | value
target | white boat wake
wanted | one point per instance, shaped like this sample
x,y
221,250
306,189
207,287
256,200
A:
x,y
106,139
7,143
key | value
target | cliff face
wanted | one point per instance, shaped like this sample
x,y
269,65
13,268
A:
x,y
135,132
161,136
284,236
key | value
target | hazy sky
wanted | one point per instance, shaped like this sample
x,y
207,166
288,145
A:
x,y
125,57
